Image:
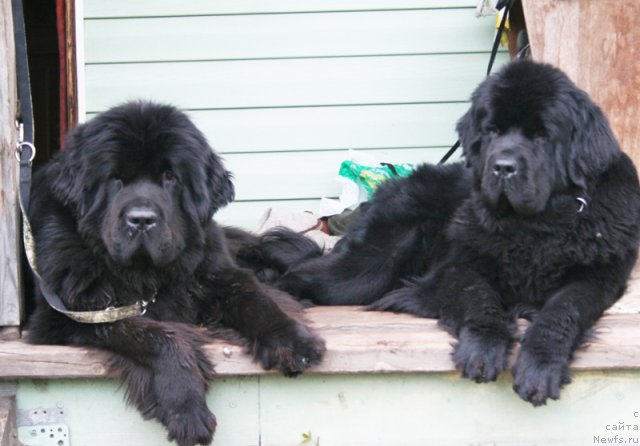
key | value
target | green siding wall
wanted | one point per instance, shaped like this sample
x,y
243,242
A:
x,y
364,410
284,88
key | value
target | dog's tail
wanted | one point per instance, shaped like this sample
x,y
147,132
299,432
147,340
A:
x,y
272,254
286,248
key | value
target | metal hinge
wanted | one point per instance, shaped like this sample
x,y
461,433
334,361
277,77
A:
x,y
43,426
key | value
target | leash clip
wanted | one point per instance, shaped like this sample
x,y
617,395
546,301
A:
x,y
21,144
145,303
583,204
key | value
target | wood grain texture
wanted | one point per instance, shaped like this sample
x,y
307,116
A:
x,y
8,431
10,296
357,342
596,43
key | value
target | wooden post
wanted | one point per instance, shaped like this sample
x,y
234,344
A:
x,y
10,280
596,43
8,430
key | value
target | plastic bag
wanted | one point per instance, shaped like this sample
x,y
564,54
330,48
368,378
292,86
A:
x,y
370,177
359,177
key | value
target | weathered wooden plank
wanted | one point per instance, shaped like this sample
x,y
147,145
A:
x,y
10,294
357,342
594,42
8,431
146,8
286,35
288,82
630,302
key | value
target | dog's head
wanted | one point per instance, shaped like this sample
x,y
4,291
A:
x,y
142,179
529,134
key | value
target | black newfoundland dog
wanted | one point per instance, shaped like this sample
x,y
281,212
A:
x,y
542,221
124,214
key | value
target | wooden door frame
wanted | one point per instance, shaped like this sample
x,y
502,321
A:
x,y
67,46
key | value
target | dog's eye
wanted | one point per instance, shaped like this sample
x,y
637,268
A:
x,y
169,176
114,183
494,131
540,134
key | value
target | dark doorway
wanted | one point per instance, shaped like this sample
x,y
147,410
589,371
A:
x,y
44,24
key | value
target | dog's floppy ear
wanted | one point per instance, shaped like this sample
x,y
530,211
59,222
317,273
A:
x,y
465,128
209,184
593,146
219,185
469,126
468,134
69,184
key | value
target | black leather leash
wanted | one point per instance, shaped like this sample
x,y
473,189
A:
x,y
25,149
506,4
25,152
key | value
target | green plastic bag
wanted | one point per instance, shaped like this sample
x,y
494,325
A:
x,y
370,177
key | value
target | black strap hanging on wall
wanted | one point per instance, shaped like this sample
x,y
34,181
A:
x,y
25,150
502,4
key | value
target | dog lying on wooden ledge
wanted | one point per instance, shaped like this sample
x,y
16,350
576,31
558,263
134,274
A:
x,y
542,220
122,217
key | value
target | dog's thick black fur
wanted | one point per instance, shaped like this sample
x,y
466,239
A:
x,y
124,213
543,221
399,236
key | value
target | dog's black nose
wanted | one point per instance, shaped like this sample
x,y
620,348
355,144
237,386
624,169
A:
x,y
141,218
505,166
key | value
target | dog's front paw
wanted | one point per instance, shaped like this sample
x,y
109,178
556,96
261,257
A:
x,y
188,424
291,350
480,358
536,381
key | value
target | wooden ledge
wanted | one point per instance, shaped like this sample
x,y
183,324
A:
x,y
357,342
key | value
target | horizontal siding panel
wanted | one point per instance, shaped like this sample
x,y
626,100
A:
x,y
334,128
329,128
287,35
247,214
304,175
297,82
144,8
